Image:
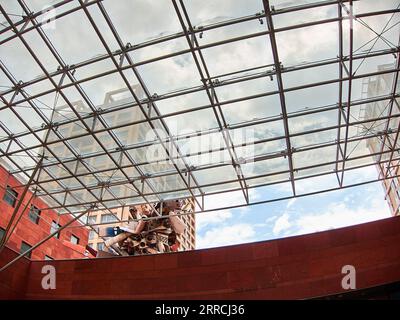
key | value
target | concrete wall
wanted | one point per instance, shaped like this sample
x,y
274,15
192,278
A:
x,y
291,268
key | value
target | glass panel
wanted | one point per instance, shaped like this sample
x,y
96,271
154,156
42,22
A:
x,y
314,157
372,64
11,122
231,31
367,28
67,31
254,109
215,175
19,61
85,145
316,184
170,74
304,16
312,98
142,20
267,180
313,121
266,167
315,170
183,102
295,46
98,89
262,149
205,119
322,137
217,11
249,53
312,75
145,53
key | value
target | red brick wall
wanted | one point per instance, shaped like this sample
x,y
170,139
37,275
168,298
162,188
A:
x,y
32,233
291,268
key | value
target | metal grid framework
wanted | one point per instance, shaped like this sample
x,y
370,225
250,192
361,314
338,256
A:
x,y
242,73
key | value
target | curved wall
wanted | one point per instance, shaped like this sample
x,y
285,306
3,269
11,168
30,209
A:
x,y
292,268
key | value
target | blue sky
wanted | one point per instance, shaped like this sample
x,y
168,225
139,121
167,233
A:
x,y
301,215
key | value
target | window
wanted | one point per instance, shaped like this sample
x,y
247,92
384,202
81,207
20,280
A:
x,y
10,196
48,258
74,239
25,247
108,218
54,227
93,234
2,232
100,246
34,214
91,219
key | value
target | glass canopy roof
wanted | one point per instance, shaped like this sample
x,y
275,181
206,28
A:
x,y
112,103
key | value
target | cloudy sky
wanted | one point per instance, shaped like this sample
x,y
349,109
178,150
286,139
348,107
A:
x,y
139,21
291,217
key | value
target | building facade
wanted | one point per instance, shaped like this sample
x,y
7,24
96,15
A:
x,y
378,86
36,223
126,135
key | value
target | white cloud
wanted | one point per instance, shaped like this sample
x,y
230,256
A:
x,y
234,234
340,215
212,218
337,215
290,203
270,219
281,224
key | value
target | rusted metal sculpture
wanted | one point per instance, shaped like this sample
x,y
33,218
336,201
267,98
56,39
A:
x,y
147,234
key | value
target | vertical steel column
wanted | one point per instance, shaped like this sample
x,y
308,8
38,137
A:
x,y
350,76
279,79
340,97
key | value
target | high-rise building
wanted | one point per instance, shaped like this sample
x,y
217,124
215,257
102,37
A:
x,y
378,86
126,135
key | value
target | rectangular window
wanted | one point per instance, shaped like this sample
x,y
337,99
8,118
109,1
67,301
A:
x,y
92,235
91,219
74,239
10,196
48,258
100,246
25,247
108,218
54,227
2,232
34,214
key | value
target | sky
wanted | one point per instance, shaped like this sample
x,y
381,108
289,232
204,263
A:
x,y
302,45
325,211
